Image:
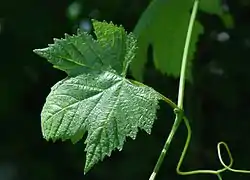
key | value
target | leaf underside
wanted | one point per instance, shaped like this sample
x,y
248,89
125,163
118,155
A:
x,y
96,97
164,26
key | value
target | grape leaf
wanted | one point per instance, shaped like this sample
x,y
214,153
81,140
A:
x,y
96,97
164,26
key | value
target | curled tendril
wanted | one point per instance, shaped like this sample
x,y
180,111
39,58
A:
x,y
215,172
231,159
229,154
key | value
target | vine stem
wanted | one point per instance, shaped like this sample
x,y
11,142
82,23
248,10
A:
x,y
185,54
179,110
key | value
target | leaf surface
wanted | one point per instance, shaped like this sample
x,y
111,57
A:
x,y
96,97
164,26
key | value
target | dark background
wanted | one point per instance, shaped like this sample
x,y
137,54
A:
x,y
217,103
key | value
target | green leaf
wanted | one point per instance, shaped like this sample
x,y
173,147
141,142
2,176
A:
x,y
96,97
211,6
164,26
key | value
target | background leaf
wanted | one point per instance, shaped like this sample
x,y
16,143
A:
x,y
166,34
211,6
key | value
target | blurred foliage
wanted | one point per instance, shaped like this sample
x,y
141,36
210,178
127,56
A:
x,y
164,26
217,102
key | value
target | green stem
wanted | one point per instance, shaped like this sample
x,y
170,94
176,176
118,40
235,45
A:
x,y
185,54
219,176
166,146
179,114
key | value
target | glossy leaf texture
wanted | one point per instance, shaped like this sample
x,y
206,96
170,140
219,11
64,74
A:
x,y
96,97
164,26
